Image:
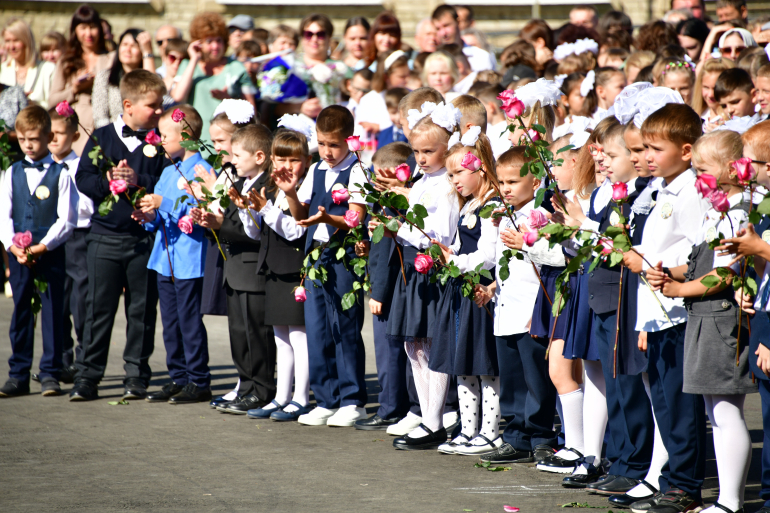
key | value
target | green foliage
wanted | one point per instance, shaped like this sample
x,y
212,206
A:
x,y
7,155
105,207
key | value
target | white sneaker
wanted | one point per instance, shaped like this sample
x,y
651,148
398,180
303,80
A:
x,y
317,416
347,416
405,425
478,446
450,419
8,291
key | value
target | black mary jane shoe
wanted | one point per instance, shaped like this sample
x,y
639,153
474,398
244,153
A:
x,y
593,475
375,423
423,443
625,500
728,510
555,463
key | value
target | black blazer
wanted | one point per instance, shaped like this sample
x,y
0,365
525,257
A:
x,y
242,251
279,255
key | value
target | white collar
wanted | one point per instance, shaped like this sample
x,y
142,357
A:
x,y
45,160
132,142
72,156
344,163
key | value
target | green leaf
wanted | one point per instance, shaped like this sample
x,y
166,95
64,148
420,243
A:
x,y
539,195
378,233
504,271
486,274
399,202
615,258
566,148
486,211
754,217
454,271
750,287
340,253
105,207
205,190
392,225
190,145
356,285
710,281
723,272
764,207
539,128
594,264
224,201
420,211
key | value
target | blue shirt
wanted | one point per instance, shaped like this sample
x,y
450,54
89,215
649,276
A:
x,y
188,252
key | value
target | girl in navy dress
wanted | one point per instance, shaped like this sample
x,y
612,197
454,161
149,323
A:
x,y
413,312
464,341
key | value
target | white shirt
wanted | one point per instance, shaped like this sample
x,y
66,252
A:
x,y
37,85
485,252
252,230
437,195
373,109
273,216
85,207
498,138
515,297
132,142
305,192
716,227
464,85
479,59
670,232
65,208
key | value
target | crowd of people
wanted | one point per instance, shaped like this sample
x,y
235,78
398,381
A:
x,y
575,225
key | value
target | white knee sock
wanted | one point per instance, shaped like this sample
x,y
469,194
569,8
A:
x,y
298,340
659,453
594,409
439,386
572,410
469,395
732,445
232,394
490,407
418,353
284,364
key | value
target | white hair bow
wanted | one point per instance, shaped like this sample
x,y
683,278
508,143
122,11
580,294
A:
x,y
471,136
579,139
654,99
626,103
414,115
298,123
587,85
559,80
447,116
237,111
545,91
563,50
586,45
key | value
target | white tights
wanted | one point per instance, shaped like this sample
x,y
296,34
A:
x,y
473,391
659,454
594,410
431,387
292,363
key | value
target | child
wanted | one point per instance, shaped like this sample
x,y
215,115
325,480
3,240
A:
x,y
281,38
710,365
281,253
246,51
440,73
734,90
65,133
703,100
251,342
52,46
357,86
393,133
609,83
678,75
669,233
410,106
118,248
178,257
35,196
575,95
762,83
527,396
474,113
463,341
335,346
413,316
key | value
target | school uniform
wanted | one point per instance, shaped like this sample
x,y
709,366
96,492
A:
x,y
669,234
390,135
37,197
527,395
335,346
180,282
118,251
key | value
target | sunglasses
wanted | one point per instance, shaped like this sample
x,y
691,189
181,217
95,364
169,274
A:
x,y
321,34
172,58
161,42
729,50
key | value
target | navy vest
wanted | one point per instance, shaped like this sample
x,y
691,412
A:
x,y
322,198
469,237
30,212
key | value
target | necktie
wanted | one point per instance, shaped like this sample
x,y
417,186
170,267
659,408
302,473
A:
x,y
130,132
36,165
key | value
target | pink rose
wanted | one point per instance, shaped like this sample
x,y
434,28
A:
x,y
340,195
403,172
619,191
118,186
607,246
351,219
354,144
153,138
177,116
423,264
300,296
744,170
533,134
512,106
186,225
22,240
718,200
63,109
705,184
530,237
471,162
537,220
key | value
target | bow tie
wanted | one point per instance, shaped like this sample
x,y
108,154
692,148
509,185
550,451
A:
x,y
129,132
37,165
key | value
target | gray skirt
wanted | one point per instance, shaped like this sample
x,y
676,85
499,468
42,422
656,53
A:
x,y
710,348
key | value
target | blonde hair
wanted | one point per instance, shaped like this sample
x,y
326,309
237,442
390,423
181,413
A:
x,y
541,115
710,66
720,147
444,57
640,59
20,29
473,111
756,138
482,150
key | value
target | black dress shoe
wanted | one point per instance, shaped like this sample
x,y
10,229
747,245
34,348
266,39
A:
x,y
219,401
625,500
68,374
35,377
506,453
241,407
421,443
190,394
555,463
164,394
135,389
618,486
592,475
375,423
84,391
49,387
14,388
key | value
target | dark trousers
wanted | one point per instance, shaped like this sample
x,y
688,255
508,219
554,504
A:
x,y
184,334
115,264
252,344
764,393
334,343
22,333
398,394
75,292
527,396
681,417
632,427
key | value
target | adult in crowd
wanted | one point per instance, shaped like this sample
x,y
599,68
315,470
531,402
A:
x,y
445,20
728,40
692,35
208,77
537,33
584,16
134,52
22,65
162,36
426,37
355,40
237,28
385,36
465,17
727,11
697,7
86,56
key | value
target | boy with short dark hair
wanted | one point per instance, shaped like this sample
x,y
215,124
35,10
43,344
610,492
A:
x,y
393,133
36,218
734,90
118,247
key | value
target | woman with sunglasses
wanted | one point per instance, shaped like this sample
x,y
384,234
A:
x,y
208,77
729,40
